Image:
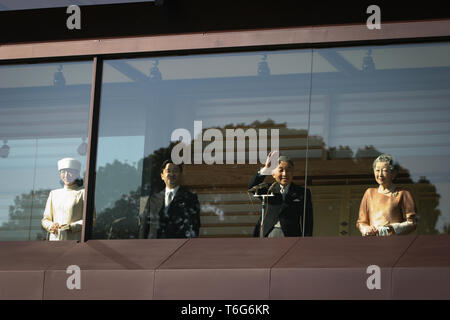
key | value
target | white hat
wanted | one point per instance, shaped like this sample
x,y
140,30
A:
x,y
69,163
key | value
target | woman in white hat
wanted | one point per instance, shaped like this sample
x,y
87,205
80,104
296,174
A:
x,y
63,215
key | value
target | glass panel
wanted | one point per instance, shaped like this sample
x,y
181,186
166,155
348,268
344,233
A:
x,y
149,105
383,99
44,117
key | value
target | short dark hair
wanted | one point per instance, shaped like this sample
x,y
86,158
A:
x,y
164,164
285,159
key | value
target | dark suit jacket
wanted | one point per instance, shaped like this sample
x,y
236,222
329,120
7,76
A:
x,y
182,219
289,211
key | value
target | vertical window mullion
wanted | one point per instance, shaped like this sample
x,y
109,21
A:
x,y
94,112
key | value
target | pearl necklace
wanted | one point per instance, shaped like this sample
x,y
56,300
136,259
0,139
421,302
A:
x,y
388,191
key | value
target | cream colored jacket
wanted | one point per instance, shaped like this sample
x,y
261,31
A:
x,y
65,206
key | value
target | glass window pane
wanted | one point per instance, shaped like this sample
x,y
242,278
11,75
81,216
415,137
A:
x,y
381,99
149,104
44,117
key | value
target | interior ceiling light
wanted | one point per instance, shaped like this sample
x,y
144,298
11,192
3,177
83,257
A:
x,y
155,74
4,150
82,148
368,64
58,77
263,66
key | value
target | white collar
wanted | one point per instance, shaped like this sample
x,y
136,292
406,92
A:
x,y
174,190
285,189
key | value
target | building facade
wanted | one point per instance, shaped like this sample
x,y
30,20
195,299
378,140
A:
x,y
225,84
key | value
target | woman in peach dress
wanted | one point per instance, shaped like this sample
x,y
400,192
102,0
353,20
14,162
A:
x,y
388,209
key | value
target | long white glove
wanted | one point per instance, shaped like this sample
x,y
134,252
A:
x,y
265,171
403,227
383,231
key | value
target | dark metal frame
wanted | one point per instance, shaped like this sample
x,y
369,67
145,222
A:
x,y
94,113
296,37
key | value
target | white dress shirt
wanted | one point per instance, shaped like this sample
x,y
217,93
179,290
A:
x,y
167,201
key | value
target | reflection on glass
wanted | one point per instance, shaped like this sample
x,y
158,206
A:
x,y
219,113
44,116
372,100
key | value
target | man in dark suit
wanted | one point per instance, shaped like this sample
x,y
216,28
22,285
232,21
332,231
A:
x,y
173,212
284,213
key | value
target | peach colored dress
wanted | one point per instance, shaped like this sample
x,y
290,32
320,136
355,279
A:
x,y
379,209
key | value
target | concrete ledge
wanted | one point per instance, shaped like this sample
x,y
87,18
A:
x,y
327,283
411,267
21,285
233,269
423,272
32,255
421,283
212,284
100,285
336,268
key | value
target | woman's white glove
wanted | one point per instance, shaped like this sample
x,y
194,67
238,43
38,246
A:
x,y
403,227
383,231
368,230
